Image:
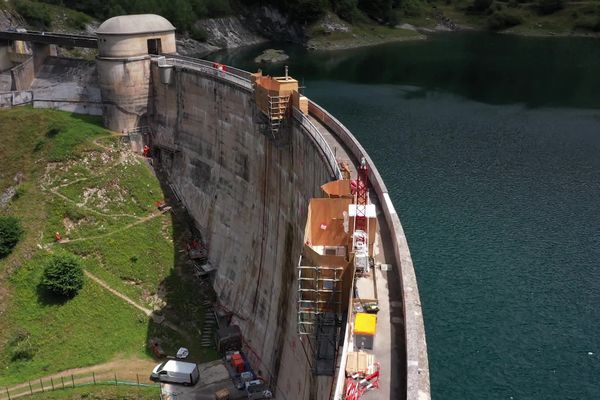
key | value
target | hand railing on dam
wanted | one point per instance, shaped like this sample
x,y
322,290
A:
x,y
417,364
319,140
208,69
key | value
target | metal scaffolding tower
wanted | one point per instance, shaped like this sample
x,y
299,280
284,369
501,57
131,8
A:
x,y
319,292
278,106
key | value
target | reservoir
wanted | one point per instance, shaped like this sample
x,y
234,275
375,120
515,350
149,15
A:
x,y
490,148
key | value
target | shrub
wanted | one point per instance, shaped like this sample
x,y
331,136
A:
x,y
503,20
21,347
480,6
346,9
63,276
412,8
545,7
198,33
10,233
35,13
588,23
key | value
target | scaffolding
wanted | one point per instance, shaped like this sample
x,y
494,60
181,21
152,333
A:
x,y
319,292
278,107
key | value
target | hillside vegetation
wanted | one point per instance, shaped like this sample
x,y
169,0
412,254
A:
x,y
519,16
75,178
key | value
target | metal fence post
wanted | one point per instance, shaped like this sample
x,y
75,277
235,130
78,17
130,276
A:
x,y
52,383
63,381
42,385
94,377
7,393
137,376
30,388
72,380
115,379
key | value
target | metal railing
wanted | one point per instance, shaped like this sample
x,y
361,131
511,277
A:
x,y
206,67
417,363
319,140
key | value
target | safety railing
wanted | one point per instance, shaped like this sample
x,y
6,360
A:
x,y
319,140
207,68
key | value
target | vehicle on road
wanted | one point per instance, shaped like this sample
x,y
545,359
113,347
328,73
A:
x,y
174,371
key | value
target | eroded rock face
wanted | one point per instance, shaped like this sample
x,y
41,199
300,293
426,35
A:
x,y
228,32
10,20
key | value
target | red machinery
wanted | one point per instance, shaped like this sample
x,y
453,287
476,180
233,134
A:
x,y
356,388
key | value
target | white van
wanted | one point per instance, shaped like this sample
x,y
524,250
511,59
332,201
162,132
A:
x,y
174,371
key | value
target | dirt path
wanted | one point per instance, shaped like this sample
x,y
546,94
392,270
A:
x,y
141,220
149,313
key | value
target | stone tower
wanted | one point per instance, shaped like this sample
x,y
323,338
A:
x,y
125,45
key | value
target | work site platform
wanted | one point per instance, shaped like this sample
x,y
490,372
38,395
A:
x,y
384,284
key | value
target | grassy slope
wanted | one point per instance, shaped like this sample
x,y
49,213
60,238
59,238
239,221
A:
x,y
96,326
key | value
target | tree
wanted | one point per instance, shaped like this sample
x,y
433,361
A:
x,y
379,10
10,233
63,276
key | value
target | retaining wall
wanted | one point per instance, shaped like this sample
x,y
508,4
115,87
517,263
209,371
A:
x,y
23,74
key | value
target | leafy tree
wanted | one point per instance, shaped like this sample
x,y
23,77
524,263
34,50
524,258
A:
x,y
10,233
503,20
379,10
63,276
346,9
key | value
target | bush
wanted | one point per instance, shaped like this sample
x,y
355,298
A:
x,y
63,276
35,13
198,33
480,6
503,20
346,10
10,233
412,8
545,7
588,23
21,347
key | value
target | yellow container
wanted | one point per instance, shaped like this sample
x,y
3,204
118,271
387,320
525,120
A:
x,y
364,324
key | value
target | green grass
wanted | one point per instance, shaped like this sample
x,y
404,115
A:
x,y
100,392
119,235
89,329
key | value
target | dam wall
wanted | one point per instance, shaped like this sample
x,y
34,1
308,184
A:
x,y
248,195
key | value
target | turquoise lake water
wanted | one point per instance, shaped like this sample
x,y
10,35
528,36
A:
x,y
490,147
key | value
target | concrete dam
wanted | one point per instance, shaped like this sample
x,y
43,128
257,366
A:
x,y
251,191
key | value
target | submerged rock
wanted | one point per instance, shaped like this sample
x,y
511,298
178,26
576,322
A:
x,y
271,56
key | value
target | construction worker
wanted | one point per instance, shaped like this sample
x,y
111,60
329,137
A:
x,y
57,237
146,151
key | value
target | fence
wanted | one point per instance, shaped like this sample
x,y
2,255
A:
x,y
63,381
